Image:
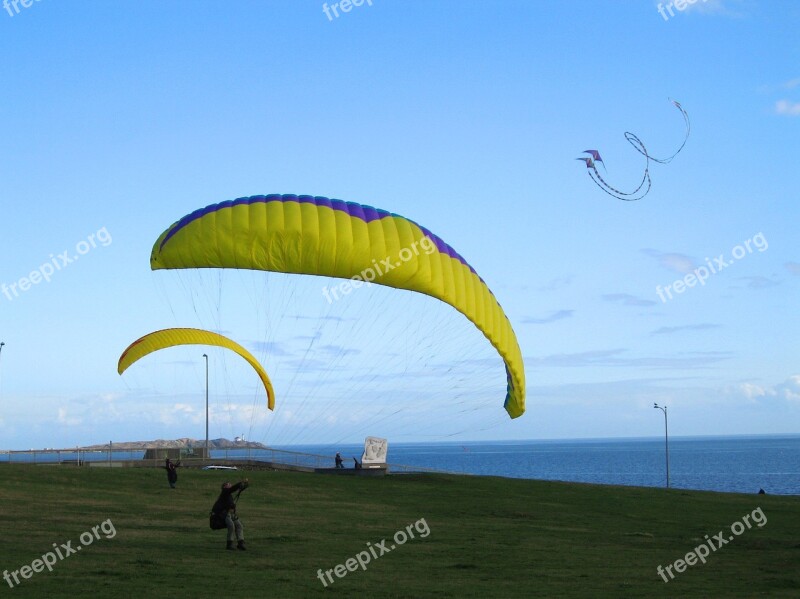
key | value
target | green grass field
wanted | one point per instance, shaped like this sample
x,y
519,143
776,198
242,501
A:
x,y
488,537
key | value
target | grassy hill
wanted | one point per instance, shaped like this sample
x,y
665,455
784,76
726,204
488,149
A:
x,y
487,537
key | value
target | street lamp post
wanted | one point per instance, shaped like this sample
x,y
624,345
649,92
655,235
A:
x,y
206,357
2,343
666,437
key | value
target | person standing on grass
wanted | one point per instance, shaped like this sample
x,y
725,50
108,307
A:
x,y
226,504
172,472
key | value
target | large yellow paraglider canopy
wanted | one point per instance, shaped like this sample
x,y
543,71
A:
x,y
319,236
172,337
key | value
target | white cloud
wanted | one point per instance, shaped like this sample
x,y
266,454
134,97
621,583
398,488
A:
x,y
680,263
627,299
788,390
555,284
614,357
759,282
689,327
751,391
66,420
552,317
787,108
179,413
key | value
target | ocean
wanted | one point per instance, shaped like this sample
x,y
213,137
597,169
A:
x,y
732,464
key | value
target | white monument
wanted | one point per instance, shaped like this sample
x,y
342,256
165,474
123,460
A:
x,y
375,450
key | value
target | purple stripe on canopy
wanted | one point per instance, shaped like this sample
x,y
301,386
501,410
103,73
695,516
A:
x,y
365,213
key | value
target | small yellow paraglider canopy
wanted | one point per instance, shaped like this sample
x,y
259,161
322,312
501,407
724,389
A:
x,y
172,337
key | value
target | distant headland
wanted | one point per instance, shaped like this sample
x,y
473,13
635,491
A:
x,y
183,442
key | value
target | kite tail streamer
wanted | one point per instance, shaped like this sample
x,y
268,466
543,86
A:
x,y
616,193
639,146
642,151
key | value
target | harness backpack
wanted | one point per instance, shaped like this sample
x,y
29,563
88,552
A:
x,y
217,520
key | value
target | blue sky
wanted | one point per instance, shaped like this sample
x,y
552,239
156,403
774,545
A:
x,y
116,119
